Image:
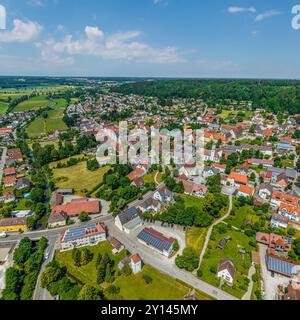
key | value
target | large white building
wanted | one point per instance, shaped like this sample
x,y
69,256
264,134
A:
x,y
88,235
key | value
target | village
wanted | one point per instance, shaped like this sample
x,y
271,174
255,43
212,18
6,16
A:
x,y
233,224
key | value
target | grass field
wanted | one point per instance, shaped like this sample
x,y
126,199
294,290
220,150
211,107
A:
x,y
242,261
132,287
44,126
241,215
149,177
35,103
3,107
195,238
191,201
231,114
78,177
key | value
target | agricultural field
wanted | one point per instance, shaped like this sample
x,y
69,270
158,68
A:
x,y
238,250
53,121
78,177
132,287
34,103
3,107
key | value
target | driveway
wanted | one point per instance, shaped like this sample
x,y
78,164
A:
x,y
270,283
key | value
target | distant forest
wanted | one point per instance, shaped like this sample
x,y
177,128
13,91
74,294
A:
x,y
273,95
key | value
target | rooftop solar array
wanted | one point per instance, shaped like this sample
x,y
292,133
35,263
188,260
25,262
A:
x,y
281,266
78,232
154,240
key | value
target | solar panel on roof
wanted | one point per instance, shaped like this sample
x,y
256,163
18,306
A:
x,y
281,266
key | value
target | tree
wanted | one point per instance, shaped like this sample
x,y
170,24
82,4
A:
x,y
23,252
76,256
83,216
90,293
50,275
188,260
86,256
37,195
13,284
108,275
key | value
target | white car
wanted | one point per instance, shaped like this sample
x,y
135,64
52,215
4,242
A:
x,y
3,235
46,255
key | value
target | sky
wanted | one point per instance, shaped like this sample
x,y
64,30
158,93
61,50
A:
x,y
150,38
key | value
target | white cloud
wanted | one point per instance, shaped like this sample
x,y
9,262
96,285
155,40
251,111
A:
x,y
267,14
240,10
23,31
119,46
157,2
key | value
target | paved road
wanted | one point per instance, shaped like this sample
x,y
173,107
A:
x,y
40,293
35,235
165,265
247,295
211,228
2,164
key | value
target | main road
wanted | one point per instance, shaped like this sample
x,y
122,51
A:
x,y
165,265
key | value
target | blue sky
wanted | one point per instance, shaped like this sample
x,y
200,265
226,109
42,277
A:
x,y
172,38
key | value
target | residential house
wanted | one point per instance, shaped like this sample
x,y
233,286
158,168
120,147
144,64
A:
x,y
274,241
245,191
163,195
265,191
88,235
226,271
13,224
237,179
128,220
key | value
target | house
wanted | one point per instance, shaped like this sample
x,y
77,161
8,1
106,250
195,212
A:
x,y
128,220
209,171
220,167
11,171
88,235
226,271
21,213
156,241
15,154
289,211
9,181
77,206
263,162
192,188
281,197
8,197
282,266
117,245
245,191
237,179
23,183
265,191
278,221
150,204
163,195
13,224
136,263
136,173
138,182
274,241
57,219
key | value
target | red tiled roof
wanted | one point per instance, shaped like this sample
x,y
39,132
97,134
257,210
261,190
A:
x,y
237,177
9,171
75,208
246,189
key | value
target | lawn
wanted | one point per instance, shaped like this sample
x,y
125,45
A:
x,y
3,107
231,114
195,238
242,261
78,177
240,215
191,201
34,103
44,126
149,177
132,287
88,273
